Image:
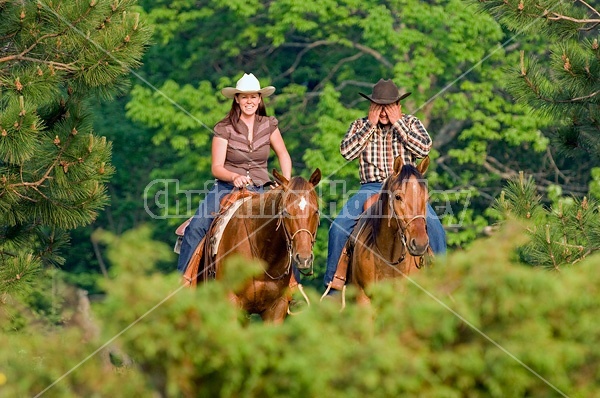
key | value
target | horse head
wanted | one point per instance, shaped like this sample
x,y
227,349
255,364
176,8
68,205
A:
x,y
408,201
299,215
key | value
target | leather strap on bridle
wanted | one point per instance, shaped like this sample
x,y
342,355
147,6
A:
x,y
402,230
289,239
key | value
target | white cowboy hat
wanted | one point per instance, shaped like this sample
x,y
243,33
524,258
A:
x,y
247,84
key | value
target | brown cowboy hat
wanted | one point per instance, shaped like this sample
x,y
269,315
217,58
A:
x,y
385,92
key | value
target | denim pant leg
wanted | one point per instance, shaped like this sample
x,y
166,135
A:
x,y
436,232
342,226
201,221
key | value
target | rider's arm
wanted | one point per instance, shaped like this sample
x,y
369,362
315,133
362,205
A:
x,y
285,161
219,153
413,135
356,138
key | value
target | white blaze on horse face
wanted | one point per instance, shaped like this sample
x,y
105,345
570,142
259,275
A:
x,y
302,204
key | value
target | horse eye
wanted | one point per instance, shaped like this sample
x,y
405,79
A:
x,y
398,197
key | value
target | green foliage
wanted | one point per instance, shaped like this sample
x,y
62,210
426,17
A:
x,y
561,85
565,87
595,183
134,249
53,168
55,365
562,235
520,199
476,324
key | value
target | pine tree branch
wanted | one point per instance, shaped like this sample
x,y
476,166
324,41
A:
x,y
57,65
525,77
21,195
590,7
554,165
583,256
49,171
28,49
582,98
595,21
558,17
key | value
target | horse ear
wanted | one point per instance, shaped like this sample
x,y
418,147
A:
x,y
398,163
424,165
280,179
315,177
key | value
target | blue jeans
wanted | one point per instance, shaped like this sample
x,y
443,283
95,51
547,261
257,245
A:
x,y
200,223
344,223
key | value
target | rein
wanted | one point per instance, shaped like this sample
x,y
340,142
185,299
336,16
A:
x,y
289,239
401,231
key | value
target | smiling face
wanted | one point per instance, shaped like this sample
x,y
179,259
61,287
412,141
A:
x,y
248,102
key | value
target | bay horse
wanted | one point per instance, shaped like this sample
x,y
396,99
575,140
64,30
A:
x,y
390,239
279,228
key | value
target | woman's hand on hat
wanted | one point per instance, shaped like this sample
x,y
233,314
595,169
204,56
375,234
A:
x,y
394,112
374,112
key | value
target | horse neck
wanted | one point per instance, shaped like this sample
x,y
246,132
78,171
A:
x,y
268,207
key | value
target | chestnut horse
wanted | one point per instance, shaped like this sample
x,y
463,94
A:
x,y
390,239
278,227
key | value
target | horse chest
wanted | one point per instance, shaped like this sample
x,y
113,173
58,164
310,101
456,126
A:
x,y
259,293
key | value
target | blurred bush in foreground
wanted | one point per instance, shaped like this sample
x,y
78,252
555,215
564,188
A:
x,y
476,324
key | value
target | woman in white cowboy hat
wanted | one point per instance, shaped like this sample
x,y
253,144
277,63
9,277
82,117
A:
x,y
240,148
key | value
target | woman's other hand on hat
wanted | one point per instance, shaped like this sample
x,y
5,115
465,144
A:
x,y
374,112
394,112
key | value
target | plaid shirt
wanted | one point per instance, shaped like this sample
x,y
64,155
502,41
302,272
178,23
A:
x,y
378,145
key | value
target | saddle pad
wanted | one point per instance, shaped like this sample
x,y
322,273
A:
x,y
221,222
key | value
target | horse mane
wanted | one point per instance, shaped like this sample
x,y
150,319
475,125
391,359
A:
x,y
371,220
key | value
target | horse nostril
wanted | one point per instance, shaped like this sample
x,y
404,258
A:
x,y
417,249
303,262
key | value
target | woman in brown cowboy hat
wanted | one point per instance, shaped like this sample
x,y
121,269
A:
x,y
241,145
377,140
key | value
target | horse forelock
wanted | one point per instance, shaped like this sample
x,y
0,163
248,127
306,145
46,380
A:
x,y
408,171
297,188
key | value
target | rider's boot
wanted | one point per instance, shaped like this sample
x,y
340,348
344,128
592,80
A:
x,y
341,272
192,272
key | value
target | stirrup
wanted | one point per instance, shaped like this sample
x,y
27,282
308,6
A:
x,y
301,289
329,285
338,282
